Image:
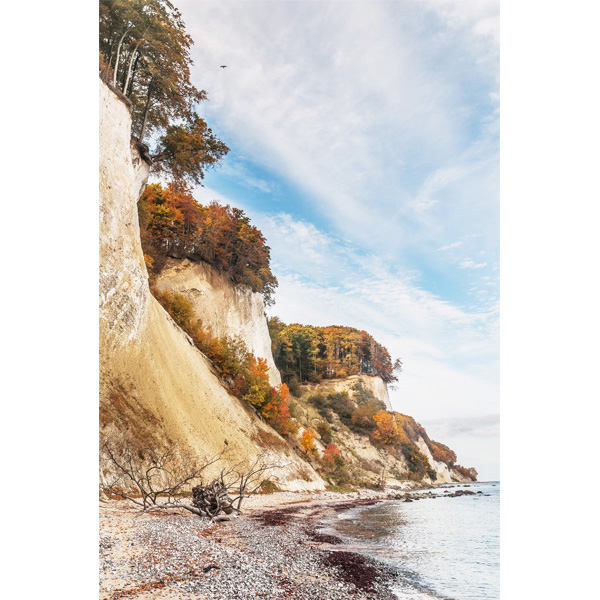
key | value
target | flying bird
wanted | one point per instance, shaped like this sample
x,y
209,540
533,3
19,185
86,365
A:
x,y
223,66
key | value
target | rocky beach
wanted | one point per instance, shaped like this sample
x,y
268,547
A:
x,y
274,549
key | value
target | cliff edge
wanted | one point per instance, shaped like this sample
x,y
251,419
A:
x,y
223,307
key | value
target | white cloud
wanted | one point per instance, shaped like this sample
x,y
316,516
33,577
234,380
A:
x,y
451,246
471,264
348,102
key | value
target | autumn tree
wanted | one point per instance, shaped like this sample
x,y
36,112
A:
x,y
277,411
259,392
470,473
145,55
363,417
186,150
442,453
173,224
310,353
332,457
308,441
387,430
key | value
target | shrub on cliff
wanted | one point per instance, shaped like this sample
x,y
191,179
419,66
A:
x,y
324,430
245,375
308,441
470,473
386,430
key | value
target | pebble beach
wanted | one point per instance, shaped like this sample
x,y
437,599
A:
x,y
274,549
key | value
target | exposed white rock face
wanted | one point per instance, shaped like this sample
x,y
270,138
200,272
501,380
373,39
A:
x,y
226,309
123,276
443,473
376,385
144,355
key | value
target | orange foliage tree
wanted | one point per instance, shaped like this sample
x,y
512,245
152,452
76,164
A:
x,y
173,224
310,353
308,441
245,374
387,430
332,457
277,411
471,473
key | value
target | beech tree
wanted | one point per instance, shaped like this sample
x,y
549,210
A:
x,y
308,441
173,224
387,430
145,55
187,150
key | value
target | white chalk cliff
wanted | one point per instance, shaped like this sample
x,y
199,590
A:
x,y
224,308
153,382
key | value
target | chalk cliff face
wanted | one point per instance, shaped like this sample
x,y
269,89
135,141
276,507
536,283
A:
x,y
444,473
155,385
375,385
153,382
226,309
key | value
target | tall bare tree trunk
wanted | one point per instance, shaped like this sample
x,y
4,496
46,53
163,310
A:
x,y
128,92
133,55
118,55
146,111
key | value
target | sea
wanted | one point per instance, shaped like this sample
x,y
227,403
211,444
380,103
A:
x,y
443,548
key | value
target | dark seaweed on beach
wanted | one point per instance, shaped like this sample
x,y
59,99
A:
x,y
280,516
353,568
323,538
353,504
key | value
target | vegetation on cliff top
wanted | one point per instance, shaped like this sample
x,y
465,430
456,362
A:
x,y
309,353
173,224
145,56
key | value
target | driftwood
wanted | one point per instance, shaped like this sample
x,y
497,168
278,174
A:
x,y
157,480
212,499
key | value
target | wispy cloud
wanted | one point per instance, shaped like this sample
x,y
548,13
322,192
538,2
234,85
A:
x,y
351,105
450,246
483,426
471,264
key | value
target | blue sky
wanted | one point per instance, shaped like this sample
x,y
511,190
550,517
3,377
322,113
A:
x,y
364,144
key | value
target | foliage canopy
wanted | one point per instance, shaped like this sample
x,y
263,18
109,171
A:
x,y
311,353
173,224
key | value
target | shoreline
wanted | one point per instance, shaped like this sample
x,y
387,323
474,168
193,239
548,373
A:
x,y
274,549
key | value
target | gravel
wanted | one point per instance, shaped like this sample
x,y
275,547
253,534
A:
x,y
184,557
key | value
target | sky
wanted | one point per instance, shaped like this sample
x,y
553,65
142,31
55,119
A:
x,y
364,144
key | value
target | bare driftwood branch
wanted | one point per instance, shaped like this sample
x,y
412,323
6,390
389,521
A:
x,y
155,479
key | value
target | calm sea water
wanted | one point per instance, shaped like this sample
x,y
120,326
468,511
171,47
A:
x,y
445,548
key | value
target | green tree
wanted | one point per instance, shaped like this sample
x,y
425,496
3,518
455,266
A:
x,y
186,150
